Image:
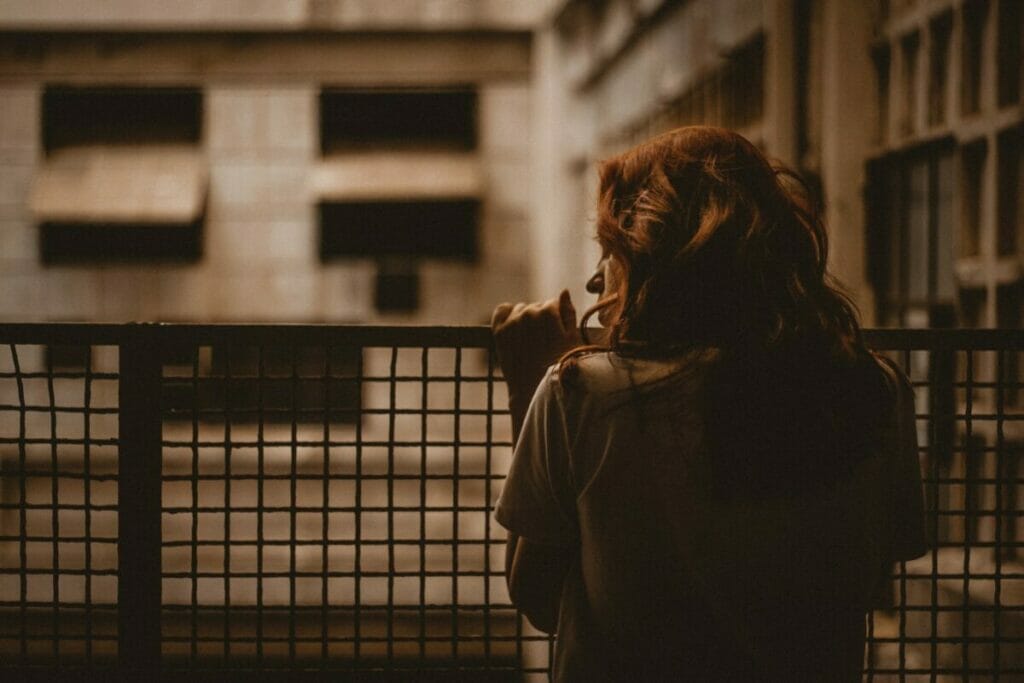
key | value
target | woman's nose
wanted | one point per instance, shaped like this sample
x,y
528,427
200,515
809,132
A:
x,y
595,285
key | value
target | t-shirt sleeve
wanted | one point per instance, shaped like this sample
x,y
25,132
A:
x,y
538,499
909,539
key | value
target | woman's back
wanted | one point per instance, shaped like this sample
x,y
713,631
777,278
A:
x,y
678,574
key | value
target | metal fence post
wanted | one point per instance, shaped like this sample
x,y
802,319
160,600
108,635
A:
x,y
139,469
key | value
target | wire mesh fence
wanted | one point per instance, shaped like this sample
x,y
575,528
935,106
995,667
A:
x,y
180,499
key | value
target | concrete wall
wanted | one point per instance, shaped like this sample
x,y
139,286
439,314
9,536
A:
x,y
260,141
271,15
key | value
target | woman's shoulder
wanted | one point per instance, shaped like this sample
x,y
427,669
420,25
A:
x,y
608,372
894,374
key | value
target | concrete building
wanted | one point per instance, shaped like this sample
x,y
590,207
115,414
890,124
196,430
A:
x,y
283,124
193,161
922,98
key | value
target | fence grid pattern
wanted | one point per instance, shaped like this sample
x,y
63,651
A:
x,y
228,498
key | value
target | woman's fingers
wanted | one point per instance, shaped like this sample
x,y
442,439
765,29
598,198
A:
x,y
553,320
557,313
500,315
529,337
566,311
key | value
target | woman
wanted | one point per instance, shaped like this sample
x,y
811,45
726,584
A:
x,y
718,491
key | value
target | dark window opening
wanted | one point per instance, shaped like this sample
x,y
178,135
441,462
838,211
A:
x,y
970,59
1010,163
70,243
910,241
1011,31
941,29
120,115
444,229
1008,316
375,119
803,21
882,61
910,47
731,96
397,289
881,231
281,384
68,357
972,173
742,86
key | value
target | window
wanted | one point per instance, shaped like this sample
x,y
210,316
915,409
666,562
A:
x,y
742,86
404,118
910,47
1008,316
279,383
972,159
124,179
398,285
1011,187
950,175
84,116
731,96
1011,29
399,181
73,242
435,229
972,44
882,61
941,29
911,251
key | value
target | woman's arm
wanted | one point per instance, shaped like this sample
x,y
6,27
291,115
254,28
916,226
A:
x,y
533,571
534,574
528,339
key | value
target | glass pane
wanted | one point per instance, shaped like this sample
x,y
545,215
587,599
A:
x,y
970,58
972,173
1010,182
917,233
1010,27
945,285
937,78
910,48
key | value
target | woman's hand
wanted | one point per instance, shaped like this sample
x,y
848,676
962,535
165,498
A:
x,y
529,338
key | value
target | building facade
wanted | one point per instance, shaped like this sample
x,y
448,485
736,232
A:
x,y
234,161
905,116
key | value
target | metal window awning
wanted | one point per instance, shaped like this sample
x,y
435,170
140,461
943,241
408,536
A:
x,y
397,176
122,184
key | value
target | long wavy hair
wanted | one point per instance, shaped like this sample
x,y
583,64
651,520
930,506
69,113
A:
x,y
715,247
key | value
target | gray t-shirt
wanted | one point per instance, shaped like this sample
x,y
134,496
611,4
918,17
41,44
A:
x,y
671,582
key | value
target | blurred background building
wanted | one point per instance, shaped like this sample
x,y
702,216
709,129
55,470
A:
x,y
419,161
904,115
273,161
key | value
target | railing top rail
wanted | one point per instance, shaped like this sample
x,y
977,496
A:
x,y
282,334
945,339
298,334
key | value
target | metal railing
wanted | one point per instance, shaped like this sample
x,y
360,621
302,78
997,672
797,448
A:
x,y
185,498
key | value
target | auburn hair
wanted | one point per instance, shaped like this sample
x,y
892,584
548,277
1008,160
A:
x,y
716,247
